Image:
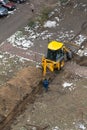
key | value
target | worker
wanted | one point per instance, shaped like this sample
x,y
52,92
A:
x,y
45,84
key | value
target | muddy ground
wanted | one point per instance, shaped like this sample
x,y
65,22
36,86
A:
x,y
60,108
64,106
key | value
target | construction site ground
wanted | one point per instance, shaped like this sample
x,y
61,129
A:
x,y
64,106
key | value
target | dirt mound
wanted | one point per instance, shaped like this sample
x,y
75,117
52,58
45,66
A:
x,y
82,61
17,88
76,69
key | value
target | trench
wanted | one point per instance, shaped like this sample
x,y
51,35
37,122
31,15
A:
x,y
20,107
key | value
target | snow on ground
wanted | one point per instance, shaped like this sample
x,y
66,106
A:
x,y
55,128
11,12
6,58
81,126
85,52
68,35
33,34
82,52
9,64
65,35
26,41
20,40
80,39
68,85
50,24
1,56
51,14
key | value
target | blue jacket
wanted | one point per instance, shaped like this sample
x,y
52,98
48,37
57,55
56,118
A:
x,y
45,83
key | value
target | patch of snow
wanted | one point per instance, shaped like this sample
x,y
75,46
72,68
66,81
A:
x,y
10,70
22,59
84,5
11,39
55,128
80,52
43,33
57,9
85,52
34,128
20,40
73,123
85,10
10,12
82,47
38,66
47,36
81,126
51,14
29,29
65,35
67,84
57,18
33,35
1,56
50,24
75,5
26,28
27,43
80,39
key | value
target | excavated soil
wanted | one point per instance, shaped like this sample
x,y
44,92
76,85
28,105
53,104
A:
x,y
82,61
61,108
17,88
